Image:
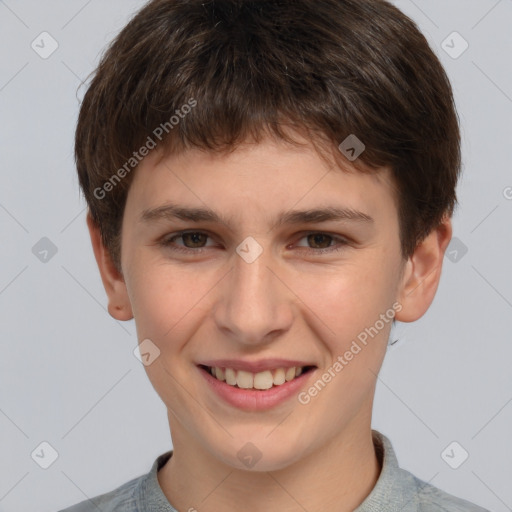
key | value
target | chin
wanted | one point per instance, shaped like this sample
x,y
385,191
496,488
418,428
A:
x,y
261,452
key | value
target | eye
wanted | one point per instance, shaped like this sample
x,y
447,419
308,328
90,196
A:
x,y
196,241
323,240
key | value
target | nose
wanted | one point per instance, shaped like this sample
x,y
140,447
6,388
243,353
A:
x,y
254,306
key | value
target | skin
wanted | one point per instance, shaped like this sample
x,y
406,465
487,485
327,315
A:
x,y
291,302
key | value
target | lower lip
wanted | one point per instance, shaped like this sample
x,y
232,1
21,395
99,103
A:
x,y
256,400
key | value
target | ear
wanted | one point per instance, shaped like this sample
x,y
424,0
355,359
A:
x,y
119,305
422,273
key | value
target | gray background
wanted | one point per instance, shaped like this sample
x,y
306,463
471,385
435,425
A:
x,y
68,375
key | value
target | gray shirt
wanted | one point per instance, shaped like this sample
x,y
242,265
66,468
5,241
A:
x,y
396,490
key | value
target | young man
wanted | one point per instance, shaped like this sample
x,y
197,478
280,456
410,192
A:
x,y
270,185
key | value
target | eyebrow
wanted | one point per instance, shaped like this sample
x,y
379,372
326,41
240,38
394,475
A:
x,y
310,216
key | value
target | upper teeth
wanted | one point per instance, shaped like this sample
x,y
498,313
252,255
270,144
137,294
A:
x,y
261,380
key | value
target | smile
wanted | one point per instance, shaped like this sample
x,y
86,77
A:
x,y
255,386
261,381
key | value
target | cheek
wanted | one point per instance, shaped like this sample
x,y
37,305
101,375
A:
x,y
347,300
170,304
349,306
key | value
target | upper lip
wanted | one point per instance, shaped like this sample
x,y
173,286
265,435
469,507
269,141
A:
x,y
254,366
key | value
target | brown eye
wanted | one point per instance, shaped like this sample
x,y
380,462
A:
x,y
319,243
320,239
193,240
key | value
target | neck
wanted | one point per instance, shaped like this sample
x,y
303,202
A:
x,y
338,477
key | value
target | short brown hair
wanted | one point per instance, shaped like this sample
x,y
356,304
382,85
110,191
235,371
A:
x,y
330,67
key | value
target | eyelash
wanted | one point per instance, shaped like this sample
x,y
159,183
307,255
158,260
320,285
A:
x,y
167,242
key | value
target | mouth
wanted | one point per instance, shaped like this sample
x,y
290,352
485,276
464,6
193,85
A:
x,y
260,381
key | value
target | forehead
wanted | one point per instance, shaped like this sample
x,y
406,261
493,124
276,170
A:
x,y
258,179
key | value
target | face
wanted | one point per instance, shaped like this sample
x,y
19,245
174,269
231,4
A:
x,y
226,265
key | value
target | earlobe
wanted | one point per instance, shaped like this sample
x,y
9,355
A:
x,y
422,273
119,306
